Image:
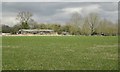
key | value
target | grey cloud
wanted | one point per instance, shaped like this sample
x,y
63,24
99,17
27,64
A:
x,y
52,11
60,0
109,6
48,8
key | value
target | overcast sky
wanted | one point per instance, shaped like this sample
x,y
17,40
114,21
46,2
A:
x,y
60,0
59,12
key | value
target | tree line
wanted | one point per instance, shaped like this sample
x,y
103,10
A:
x,y
91,24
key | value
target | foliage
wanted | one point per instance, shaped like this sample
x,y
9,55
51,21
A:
x,y
6,29
16,28
24,17
93,21
91,24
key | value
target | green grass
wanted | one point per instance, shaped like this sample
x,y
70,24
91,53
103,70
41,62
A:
x,y
60,53
0,53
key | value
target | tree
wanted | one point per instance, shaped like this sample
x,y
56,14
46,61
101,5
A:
x,y
93,21
42,26
65,28
33,24
76,19
107,27
15,28
6,29
75,24
86,28
111,28
23,18
56,28
102,27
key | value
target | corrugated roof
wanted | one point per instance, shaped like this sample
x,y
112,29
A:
x,y
35,30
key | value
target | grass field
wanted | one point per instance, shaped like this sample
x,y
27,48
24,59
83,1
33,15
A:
x,y
60,53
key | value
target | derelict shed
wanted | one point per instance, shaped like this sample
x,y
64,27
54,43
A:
x,y
36,31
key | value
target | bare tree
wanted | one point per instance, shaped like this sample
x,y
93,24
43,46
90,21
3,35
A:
x,y
75,23
93,21
33,24
101,28
23,18
107,27
85,27
76,19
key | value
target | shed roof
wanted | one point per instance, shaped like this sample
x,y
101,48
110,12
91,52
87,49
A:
x,y
30,30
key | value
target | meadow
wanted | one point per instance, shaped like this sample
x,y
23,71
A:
x,y
59,52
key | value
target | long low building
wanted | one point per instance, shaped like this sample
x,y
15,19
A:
x,y
36,31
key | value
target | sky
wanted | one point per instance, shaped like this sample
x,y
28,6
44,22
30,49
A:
x,y
58,11
60,0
